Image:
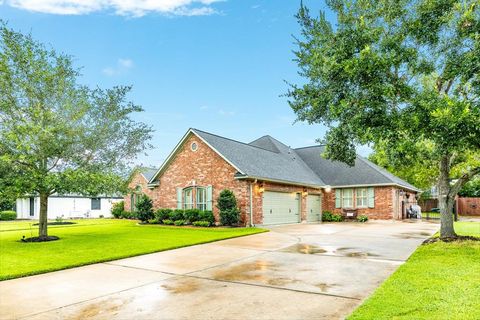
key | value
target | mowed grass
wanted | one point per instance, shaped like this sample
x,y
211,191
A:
x,y
95,240
439,281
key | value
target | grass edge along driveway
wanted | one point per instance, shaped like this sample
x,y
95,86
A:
x,y
94,241
439,281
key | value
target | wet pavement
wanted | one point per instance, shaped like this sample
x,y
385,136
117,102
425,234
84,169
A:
x,y
303,271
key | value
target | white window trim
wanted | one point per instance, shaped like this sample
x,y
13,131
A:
x,y
364,197
190,204
352,198
201,205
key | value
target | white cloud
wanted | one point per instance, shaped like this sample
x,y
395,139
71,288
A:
x,y
135,8
226,113
123,65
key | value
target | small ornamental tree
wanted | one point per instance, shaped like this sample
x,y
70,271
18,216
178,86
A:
x,y
227,204
144,208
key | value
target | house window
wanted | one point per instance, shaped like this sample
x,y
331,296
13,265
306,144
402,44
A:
x,y
96,204
347,198
362,197
188,198
32,207
194,146
201,198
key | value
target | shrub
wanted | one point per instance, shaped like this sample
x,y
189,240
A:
x,y
227,204
8,215
117,209
192,215
154,221
179,222
128,215
337,217
362,218
144,208
177,214
207,216
168,222
6,205
201,224
163,214
327,216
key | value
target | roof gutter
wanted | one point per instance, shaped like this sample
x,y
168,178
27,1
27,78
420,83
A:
x,y
375,185
244,177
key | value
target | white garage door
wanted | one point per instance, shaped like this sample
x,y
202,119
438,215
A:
x,y
314,208
281,207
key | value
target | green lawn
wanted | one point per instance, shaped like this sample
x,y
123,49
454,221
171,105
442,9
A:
x,y
439,281
95,240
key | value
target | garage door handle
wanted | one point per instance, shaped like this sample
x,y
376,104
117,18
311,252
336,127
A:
x,y
270,210
289,210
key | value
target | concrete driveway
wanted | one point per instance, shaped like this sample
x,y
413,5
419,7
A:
x,y
311,271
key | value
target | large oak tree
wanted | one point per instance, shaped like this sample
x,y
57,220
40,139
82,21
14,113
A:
x,y
401,73
56,135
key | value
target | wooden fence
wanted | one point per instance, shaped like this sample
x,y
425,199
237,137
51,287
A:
x,y
428,204
468,206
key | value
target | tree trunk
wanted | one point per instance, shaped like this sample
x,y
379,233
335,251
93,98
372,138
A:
x,y
445,200
43,218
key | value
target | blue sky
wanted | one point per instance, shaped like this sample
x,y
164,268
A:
x,y
218,66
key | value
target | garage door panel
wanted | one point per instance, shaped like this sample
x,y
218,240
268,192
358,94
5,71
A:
x,y
281,207
314,208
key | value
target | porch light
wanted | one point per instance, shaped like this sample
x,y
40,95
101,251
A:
x,y
305,193
261,189
328,189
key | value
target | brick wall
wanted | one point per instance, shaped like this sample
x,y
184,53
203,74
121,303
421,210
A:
x,y
138,180
203,167
269,186
383,209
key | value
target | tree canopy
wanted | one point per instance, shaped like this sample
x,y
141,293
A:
x,y
403,75
56,135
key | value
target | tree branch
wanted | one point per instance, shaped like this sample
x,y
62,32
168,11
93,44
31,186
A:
x,y
462,180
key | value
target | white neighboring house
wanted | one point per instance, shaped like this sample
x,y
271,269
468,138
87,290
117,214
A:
x,y
67,206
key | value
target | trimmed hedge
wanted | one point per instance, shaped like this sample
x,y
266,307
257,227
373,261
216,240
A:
x,y
201,224
8,215
163,214
178,214
129,215
188,216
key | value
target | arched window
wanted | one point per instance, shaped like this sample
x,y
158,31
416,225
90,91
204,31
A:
x,y
195,197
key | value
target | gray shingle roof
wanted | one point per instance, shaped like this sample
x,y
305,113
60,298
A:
x,y
148,173
336,173
254,161
268,159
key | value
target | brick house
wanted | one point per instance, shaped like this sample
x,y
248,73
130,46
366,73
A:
x,y
138,182
273,183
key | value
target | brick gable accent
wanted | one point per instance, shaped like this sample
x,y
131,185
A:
x,y
137,180
203,167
